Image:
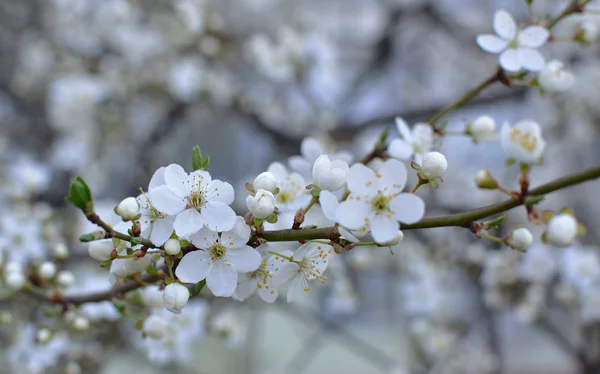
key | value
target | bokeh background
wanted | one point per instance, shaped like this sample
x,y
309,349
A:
x,y
111,90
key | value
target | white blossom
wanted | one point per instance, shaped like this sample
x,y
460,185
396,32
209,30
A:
x,y
128,209
175,297
561,230
156,226
265,181
311,150
47,270
329,175
555,78
517,47
415,143
523,141
520,239
101,250
434,165
482,129
260,280
262,204
292,188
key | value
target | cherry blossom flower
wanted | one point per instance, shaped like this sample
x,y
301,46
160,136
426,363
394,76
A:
x,y
555,78
156,226
197,200
310,150
415,143
220,259
516,46
329,175
376,201
580,266
292,189
523,141
260,280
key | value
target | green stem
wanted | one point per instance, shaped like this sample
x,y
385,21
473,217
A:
x,y
493,238
310,205
94,218
282,256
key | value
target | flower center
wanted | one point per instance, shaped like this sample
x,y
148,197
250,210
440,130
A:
x,y
196,199
217,251
381,203
524,139
284,197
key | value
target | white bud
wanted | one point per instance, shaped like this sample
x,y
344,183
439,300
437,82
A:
x,y
152,296
101,250
485,179
60,251
262,204
520,239
483,129
555,78
47,270
65,278
329,175
15,280
175,297
43,335
81,323
155,327
172,247
589,31
13,267
434,165
396,240
561,230
128,209
265,181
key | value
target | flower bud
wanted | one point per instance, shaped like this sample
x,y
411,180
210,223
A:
x,y
434,165
555,78
81,196
587,32
65,278
15,280
329,175
47,270
60,251
262,204
265,181
128,209
81,323
561,230
172,247
485,180
520,239
43,335
155,326
101,250
396,240
175,297
482,129
13,267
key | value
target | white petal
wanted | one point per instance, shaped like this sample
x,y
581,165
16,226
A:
x,y
220,191
533,36
165,200
504,25
408,208
244,259
238,236
329,204
300,164
194,267
222,279
175,178
285,271
384,228
491,43
279,171
392,176
297,289
245,288
353,214
531,59
268,295
205,238
509,60
158,179
218,216
403,129
188,222
362,180
346,234
161,231
400,149
311,149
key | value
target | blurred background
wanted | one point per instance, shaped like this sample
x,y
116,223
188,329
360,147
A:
x,y
111,90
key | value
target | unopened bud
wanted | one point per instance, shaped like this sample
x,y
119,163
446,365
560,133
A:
x,y
520,239
47,270
60,251
128,209
172,247
65,278
43,335
485,180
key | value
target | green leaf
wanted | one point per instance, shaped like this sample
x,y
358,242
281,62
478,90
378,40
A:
x,y
493,223
206,163
81,196
200,285
272,218
136,241
197,160
250,188
152,271
384,135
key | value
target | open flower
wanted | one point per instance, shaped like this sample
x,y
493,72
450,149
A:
x,y
376,201
310,150
220,259
197,200
329,175
516,46
411,144
156,226
292,189
523,141
260,280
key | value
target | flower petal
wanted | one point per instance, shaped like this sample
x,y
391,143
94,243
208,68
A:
x,y
297,289
329,204
403,129
220,191
269,294
245,288
509,60
194,267
279,170
222,279
188,222
362,180
284,272
531,59
158,179
175,178
400,149
161,231
392,176
205,238
311,149
238,236
491,43
533,36
218,216
504,25
408,208
384,228
244,259
165,200
299,164
353,214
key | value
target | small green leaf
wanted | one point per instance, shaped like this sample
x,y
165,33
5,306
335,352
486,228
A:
x,y
568,211
120,305
81,196
206,163
581,229
152,271
546,216
493,223
105,263
258,222
200,285
250,188
92,236
384,135
197,160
